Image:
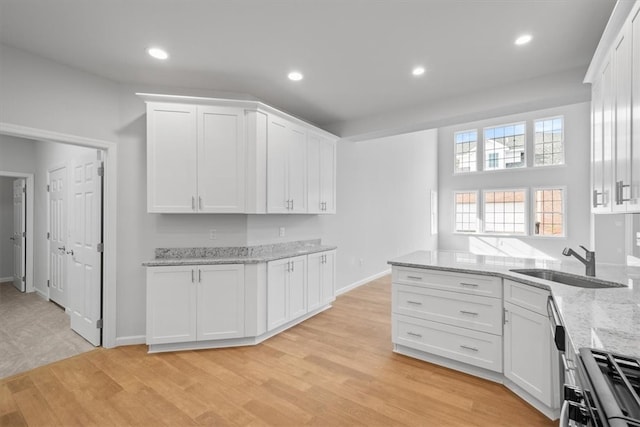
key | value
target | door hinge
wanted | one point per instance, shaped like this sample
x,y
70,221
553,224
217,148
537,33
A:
x,y
100,247
101,170
24,234
48,235
48,285
24,279
48,188
99,324
24,190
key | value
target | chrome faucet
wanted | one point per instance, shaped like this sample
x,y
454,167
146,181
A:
x,y
589,261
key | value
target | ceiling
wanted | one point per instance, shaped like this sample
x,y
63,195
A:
x,y
356,55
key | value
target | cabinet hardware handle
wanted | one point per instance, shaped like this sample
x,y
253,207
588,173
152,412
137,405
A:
x,y
597,193
292,204
199,276
504,315
470,313
620,186
193,203
200,202
472,285
293,267
414,277
466,347
414,302
413,334
193,276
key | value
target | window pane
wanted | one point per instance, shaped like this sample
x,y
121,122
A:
x,y
549,213
465,206
504,146
549,142
465,151
504,211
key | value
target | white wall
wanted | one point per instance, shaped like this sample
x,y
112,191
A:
x,y
17,155
574,175
6,227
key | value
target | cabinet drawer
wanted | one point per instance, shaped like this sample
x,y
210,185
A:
x,y
475,348
525,296
475,312
490,286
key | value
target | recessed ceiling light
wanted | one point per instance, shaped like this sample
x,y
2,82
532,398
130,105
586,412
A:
x,y
523,39
295,76
158,53
418,71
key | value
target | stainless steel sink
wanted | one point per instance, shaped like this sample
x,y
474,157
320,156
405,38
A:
x,y
568,279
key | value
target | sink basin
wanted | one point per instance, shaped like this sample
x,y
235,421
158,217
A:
x,y
568,279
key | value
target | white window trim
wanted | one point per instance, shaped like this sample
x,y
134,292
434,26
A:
x,y
484,129
564,211
456,172
526,211
455,212
533,147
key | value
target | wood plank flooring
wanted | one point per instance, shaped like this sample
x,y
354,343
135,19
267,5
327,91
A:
x,y
336,369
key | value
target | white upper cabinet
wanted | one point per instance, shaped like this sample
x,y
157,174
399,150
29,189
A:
x,y
615,77
322,174
286,167
172,168
232,156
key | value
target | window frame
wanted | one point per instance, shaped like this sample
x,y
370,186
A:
x,y
533,148
526,212
484,150
455,212
455,134
565,205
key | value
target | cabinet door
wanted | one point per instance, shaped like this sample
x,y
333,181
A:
x,y
277,163
608,129
528,353
314,174
297,169
328,268
220,302
314,280
297,287
622,122
634,203
171,305
221,160
171,158
328,176
598,202
277,298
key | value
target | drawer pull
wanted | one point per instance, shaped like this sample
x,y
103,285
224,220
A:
x,y
414,277
469,348
413,334
470,313
414,302
472,285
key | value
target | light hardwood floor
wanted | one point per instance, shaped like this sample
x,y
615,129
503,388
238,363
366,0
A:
x,y
334,369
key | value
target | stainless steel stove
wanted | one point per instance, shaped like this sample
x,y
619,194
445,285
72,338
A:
x,y
608,394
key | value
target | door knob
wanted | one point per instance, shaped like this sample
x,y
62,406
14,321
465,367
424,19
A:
x,y
70,252
62,248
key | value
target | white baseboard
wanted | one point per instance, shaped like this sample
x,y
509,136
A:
x,y
362,282
131,340
42,294
6,279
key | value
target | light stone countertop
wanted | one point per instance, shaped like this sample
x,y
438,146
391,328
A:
x,y
599,318
236,254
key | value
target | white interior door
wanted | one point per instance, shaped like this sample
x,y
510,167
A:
x,y
85,260
58,236
19,234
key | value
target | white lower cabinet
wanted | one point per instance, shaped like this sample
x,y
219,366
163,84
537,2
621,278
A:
x,y
195,303
286,290
321,279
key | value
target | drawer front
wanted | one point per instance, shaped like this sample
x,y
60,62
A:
x,y
490,286
525,296
475,348
467,311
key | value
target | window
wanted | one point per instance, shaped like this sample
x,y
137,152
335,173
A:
x,y
549,212
504,211
466,211
466,148
549,142
504,147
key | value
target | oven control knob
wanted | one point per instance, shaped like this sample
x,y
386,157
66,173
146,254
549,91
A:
x,y
578,413
572,394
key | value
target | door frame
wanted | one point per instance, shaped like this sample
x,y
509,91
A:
x,y
110,182
28,272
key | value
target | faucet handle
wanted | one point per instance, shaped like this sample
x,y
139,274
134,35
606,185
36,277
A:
x,y
586,250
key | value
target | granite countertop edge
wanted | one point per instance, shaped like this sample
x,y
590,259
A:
x,y
168,262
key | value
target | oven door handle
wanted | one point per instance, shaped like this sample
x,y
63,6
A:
x,y
557,329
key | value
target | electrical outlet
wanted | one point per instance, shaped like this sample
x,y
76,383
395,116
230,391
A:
x,y
281,231
212,234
